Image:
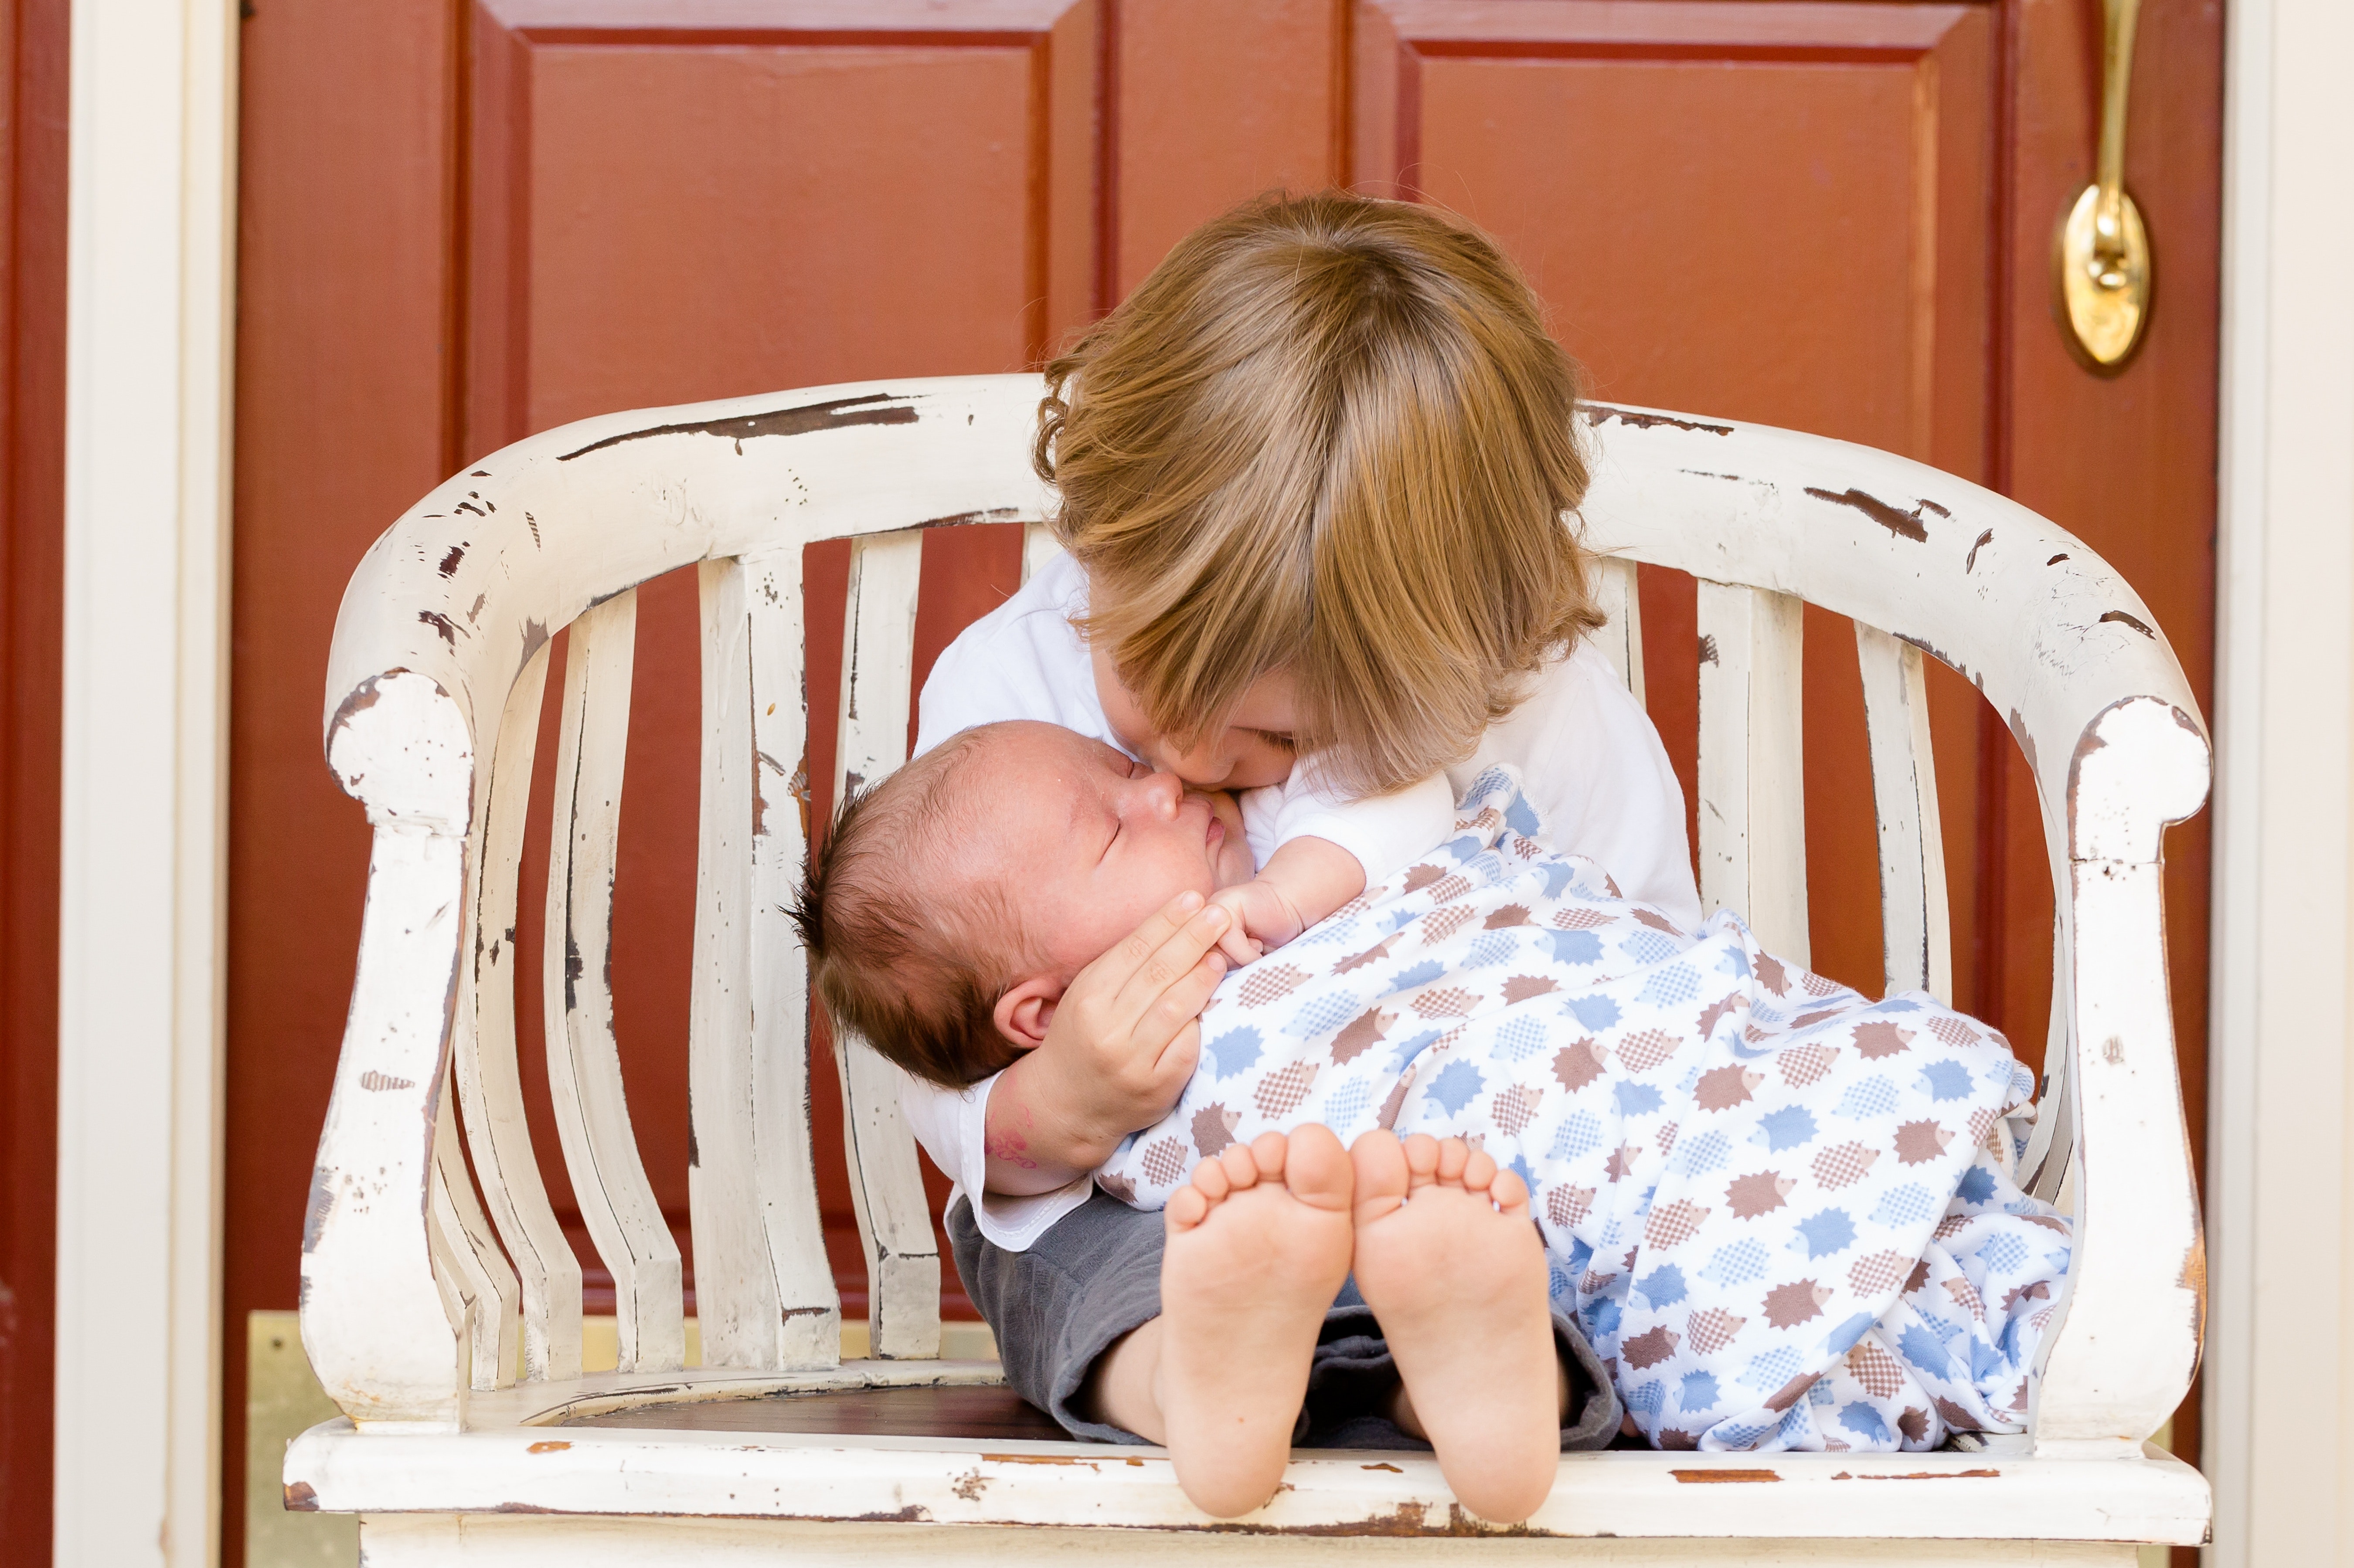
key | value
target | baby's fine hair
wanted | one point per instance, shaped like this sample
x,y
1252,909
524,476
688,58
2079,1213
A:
x,y
1330,436
901,953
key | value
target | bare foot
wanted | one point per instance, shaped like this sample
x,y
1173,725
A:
x,y
1453,1267
1259,1246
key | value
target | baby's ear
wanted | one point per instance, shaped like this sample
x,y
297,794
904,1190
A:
x,y
1025,1012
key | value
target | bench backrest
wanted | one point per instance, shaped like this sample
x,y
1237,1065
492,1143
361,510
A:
x,y
416,1269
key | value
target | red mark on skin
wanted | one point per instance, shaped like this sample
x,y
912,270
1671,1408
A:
x,y
1004,1144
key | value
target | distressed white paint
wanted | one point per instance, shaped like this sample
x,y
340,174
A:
x,y
2141,1494
478,1541
886,1188
1622,636
150,274
584,1063
1915,923
2279,1158
749,1318
489,1076
1752,786
2052,637
783,1159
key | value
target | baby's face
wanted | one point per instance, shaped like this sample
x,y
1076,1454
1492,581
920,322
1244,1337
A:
x,y
1086,842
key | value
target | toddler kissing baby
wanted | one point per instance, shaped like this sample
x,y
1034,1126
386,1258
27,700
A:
x,y
1784,1213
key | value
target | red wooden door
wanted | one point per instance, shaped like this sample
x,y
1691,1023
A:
x,y
464,223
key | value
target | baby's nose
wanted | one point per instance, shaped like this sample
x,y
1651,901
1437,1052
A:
x,y
1160,792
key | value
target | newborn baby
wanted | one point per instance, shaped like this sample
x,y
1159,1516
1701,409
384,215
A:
x,y
1784,1213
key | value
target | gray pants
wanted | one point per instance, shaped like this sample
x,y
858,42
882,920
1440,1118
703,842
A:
x,y
1096,1274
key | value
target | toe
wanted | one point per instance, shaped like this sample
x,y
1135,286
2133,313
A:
x,y
1240,1169
1210,1176
1509,1194
1267,1151
1316,1169
1453,1155
1478,1170
1421,1159
1188,1207
1380,1165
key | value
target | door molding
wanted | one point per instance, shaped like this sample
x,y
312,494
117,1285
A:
x,y
2278,1131
149,316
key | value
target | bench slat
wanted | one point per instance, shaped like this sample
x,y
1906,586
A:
x,y
1621,640
887,1186
785,1162
468,1265
1916,937
584,1063
1753,802
759,1307
490,1084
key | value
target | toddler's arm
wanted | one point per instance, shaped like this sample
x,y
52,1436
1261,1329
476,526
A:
x,y
1317,850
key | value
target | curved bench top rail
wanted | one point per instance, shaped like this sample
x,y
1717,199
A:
x,y
2048,631
468,584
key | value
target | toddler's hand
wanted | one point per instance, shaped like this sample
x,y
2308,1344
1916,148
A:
x,y
1118,1051
1264,917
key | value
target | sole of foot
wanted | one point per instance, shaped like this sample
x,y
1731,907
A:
x,y
1451,1264
1258,1242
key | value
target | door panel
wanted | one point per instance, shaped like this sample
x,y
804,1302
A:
x,y
1779,212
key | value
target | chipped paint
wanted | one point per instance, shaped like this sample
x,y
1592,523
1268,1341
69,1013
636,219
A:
x,y
1636,419
839,414
301,1497
322,1204
1971,562
957,520
2057,559
551,1446
450,562
380,1083
1904,525
441,623
971,1484
1925,1476
2136,622
1719,1477
1707,649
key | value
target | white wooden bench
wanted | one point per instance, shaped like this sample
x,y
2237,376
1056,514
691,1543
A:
x,y
442,1309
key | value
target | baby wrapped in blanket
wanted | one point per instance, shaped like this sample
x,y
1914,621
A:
x,y
1786,1214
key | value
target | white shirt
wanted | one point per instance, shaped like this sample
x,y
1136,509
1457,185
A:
x,y
1593,766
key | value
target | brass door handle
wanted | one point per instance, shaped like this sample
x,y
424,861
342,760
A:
x,y
2103,260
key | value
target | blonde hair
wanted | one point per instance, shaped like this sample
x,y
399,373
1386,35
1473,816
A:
x,y
1328,436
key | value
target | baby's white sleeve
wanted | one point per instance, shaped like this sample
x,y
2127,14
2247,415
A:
x,y
953,1125
1385,833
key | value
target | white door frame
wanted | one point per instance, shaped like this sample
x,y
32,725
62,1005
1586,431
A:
x,y
149,347
2278,1117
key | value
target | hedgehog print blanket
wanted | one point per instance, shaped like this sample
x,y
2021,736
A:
x,y
1784,1213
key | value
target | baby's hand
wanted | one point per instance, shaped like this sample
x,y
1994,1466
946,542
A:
x,y
1303,881
1264,915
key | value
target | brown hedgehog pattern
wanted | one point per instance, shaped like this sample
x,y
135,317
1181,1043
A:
x,y
1740,1168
